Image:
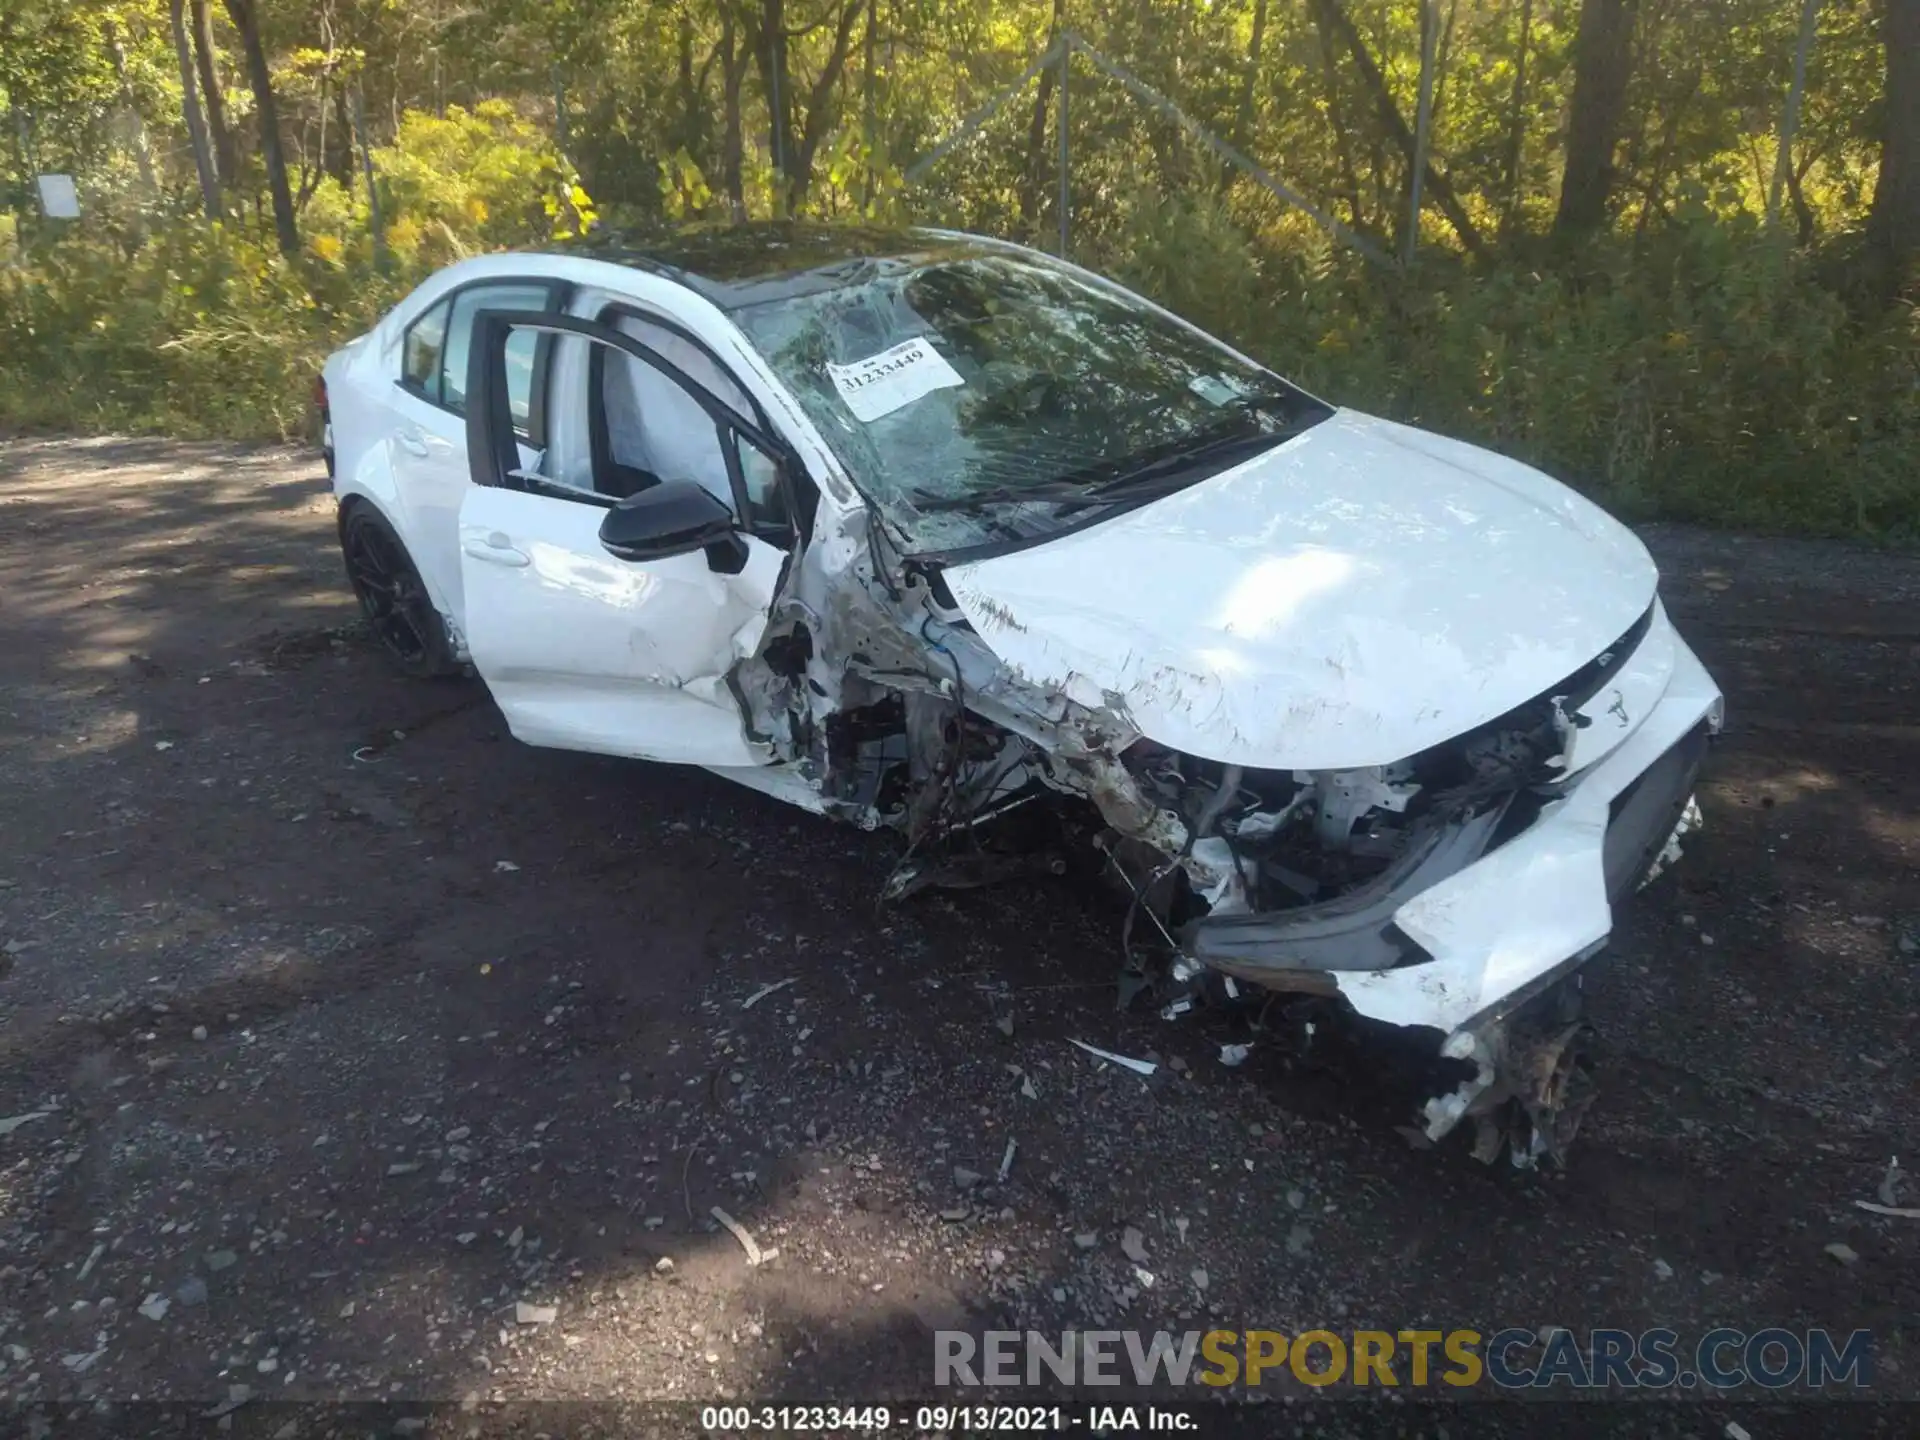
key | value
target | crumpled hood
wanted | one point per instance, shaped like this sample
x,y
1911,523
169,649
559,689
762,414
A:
x,y
1361,593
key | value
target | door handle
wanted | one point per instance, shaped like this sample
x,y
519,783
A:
x,y
497,549
412,443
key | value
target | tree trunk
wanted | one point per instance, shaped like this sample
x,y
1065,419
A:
x,y
142,151
1243,125
1336,118
821,101
1602,64
869,138
691,110
1338,22
1033,179
190,112
1893,226
244,19
794,146
1802,212
1516,125
1790,116
733,69
342,168
770,57
226,156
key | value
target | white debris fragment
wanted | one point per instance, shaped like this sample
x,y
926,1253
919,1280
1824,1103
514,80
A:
x,y
765,990
1006,1160
755,1255
1133,1245
1890,1183
1662,1270
155,1306
1144,1276
504,867
1843,1252
13,1123
1898,1212
1199,1279
1026,1088
93,1259
525,1314
1736,1431
1139,1067
1234,1055
84,1361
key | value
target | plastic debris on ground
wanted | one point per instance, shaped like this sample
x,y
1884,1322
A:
x,y
765,990
1139,1067
755,1255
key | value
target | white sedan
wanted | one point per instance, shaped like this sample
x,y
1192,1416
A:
x,y
916,529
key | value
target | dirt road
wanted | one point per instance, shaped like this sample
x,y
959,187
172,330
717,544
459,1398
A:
x,y
352,1026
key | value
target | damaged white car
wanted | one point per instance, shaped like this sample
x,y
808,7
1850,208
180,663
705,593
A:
x,y
927,531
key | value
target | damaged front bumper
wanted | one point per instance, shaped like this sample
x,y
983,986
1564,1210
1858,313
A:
x,y
1491,906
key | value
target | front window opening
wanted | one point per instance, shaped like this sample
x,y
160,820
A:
x,y
1032,388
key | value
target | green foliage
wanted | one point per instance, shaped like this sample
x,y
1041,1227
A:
x,y
486,174
1708,377
199,330
1680,363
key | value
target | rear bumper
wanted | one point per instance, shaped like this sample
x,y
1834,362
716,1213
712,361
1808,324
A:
x,y
1461,930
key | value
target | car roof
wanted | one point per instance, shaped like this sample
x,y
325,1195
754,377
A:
x,y
735,266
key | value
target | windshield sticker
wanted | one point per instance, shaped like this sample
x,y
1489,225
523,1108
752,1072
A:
x,y
881,384
1217,390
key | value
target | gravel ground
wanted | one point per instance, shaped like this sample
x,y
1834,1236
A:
x,y
366,1054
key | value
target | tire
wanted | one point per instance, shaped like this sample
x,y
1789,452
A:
x,y
395,602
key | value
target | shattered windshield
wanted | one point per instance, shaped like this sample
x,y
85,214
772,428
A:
x,y
990,398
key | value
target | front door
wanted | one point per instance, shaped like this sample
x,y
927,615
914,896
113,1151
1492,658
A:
x,y
429,458
581,649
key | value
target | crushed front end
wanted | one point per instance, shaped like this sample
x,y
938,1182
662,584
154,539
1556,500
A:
x,y
1459,891
1454,894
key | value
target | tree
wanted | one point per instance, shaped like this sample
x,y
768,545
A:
x,y
1516,126
795,145
1033,176
190,112
241,12
1602,65
224,154
1334,17
1893,225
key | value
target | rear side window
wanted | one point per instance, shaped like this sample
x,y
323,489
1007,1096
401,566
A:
x,y
523,346
435,351
425,344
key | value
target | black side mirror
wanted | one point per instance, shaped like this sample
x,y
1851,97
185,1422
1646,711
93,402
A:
x,y
675,517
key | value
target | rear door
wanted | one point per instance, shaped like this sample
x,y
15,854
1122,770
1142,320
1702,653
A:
x,y
583,650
